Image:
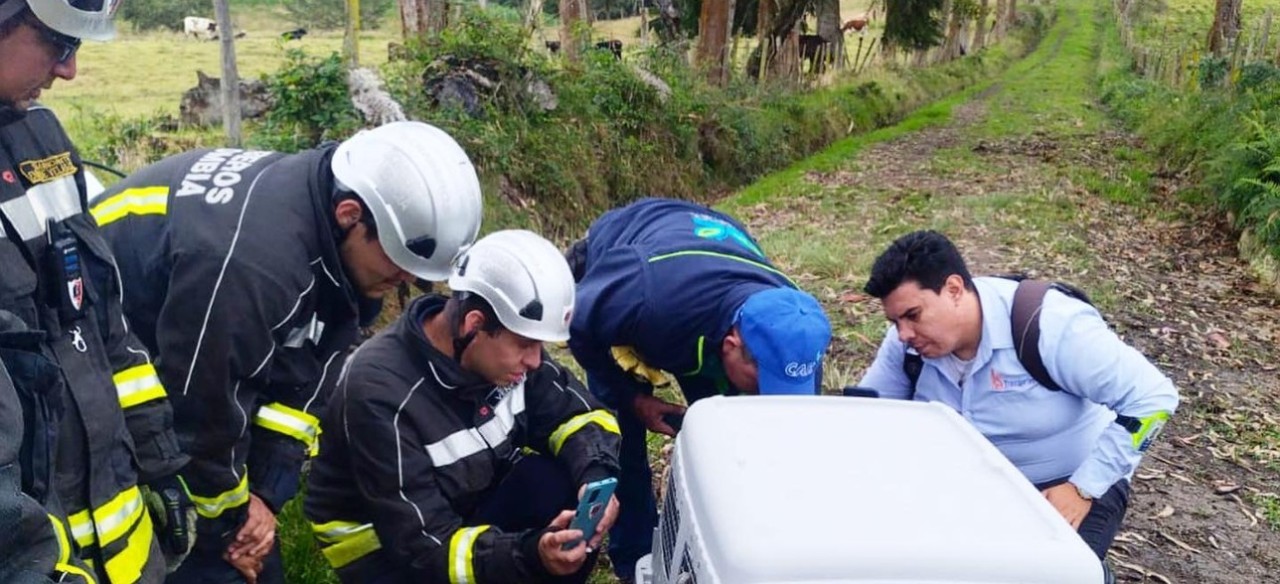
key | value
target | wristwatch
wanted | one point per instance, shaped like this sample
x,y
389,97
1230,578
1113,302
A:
x,y
1083,495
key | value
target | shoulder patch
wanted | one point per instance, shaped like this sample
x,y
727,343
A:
x,y
48,169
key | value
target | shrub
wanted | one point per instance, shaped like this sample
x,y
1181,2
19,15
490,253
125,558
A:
x,y
311,103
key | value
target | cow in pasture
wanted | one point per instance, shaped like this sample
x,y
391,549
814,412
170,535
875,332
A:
x,y
294,34
817,51
197,27
202,105
613,46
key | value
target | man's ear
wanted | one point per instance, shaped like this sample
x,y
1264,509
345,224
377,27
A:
x,y
954,286
732,343
348,213
472,322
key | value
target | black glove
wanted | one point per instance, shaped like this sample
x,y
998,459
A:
x,y
174,516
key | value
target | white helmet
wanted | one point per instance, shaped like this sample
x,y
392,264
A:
x,y
421,188
526,280
82,19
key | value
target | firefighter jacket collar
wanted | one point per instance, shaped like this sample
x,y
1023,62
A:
x,y
447,372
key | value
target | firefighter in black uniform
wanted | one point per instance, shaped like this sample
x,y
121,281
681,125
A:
x,y
114,453
248,273
33,541
455,445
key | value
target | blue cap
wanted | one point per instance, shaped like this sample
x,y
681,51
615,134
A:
x,y
787,332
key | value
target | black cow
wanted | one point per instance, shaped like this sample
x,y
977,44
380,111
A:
x,y
294,34
553,46
817,51
614,46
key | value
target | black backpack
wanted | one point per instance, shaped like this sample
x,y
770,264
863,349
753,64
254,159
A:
x,y
1025,316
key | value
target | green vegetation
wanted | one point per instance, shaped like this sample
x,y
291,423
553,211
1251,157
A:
x,y
1223,127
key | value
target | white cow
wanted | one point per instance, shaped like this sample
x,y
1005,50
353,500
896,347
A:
x,y
198,27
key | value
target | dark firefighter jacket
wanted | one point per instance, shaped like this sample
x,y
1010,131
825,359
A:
x,y
414,441
59,277
234,281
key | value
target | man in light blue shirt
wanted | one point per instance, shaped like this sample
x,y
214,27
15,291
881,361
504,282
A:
x,y
1069,442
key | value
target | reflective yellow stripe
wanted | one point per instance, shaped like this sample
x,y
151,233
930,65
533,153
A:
x,y
63,564
82,528
629,361
137,385
214,506
335,531
297,424
460,546
126,566
114,519
138,201
350,541
598,417
1149,431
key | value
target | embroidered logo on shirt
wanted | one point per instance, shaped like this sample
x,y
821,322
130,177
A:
x,y
48,169
997,382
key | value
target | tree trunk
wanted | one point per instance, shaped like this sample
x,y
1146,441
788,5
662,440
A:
x,y
1001,18
980,25
572,13
413,17
950,49
1226,26
714,26
351,40
1011,19
828,13
230,77
437,16
533,15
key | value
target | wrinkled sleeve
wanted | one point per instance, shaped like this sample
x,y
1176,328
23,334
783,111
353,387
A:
x,y
569,424
608,309
33,543
1087,358
215,345
414,521
145,402
885,375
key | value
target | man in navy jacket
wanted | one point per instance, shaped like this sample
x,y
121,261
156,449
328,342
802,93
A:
x,y
668,287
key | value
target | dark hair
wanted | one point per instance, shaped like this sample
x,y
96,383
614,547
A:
x,y
927,258
13,22
366,215
465,302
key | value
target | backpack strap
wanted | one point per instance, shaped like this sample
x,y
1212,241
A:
x,y
913,366
1027,302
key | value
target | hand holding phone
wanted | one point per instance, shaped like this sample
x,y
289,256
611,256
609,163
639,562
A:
x,y
591,509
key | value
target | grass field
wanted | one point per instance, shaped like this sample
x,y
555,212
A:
x,y
141,74
1183,25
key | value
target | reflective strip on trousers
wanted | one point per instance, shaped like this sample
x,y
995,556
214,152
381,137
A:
x,y
58,200
136,201
63,563
296,424
598,417
348,541
461,545
138,385
213,507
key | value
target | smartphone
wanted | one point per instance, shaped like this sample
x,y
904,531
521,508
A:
x,y
595,499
